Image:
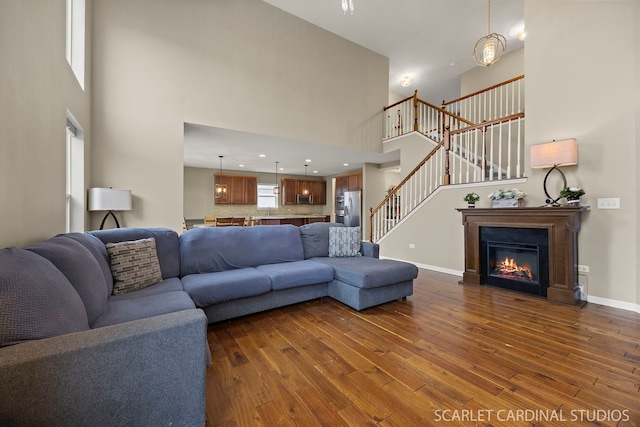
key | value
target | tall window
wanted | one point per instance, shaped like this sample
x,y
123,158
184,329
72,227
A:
x,y
75,177
75,38
266,198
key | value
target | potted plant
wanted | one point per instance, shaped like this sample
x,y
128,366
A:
x,y
572,194
507,198
471,199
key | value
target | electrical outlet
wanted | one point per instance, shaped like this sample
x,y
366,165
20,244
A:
x,y
412,246
583,269
609,203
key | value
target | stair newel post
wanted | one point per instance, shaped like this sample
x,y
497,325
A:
x,y
447,147
370,224
415,111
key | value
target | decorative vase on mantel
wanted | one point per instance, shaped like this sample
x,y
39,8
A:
x,y
573,202
507,203
471,205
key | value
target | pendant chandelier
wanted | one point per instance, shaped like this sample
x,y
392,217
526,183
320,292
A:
x,y
347,5
276,189
305,188
490,48
220,191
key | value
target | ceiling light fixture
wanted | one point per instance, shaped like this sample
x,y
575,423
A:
x,y
347,5
220,191
490,48
406,81
276,189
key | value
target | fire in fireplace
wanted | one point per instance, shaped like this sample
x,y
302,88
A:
x,y
515,258
510,269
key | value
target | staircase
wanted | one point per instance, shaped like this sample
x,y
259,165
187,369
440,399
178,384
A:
x,y
478,137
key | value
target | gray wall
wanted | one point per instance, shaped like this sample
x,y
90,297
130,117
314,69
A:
x,y
241,65
569,94
37,87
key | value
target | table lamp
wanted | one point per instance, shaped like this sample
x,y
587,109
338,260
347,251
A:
x,y
553,155
108,199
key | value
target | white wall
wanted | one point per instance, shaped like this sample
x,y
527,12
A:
x,y
242,65
511,65
37,87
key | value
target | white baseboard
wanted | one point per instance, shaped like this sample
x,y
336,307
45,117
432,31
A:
x,y
614,303
591,299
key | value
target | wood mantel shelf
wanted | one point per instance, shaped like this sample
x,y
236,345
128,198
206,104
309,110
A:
x,y
562,225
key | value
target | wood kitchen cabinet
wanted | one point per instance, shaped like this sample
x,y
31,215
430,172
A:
x,y
350,182
292,187
241,190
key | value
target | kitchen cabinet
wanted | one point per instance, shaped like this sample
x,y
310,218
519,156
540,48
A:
x,y
350,182
241,190
292,187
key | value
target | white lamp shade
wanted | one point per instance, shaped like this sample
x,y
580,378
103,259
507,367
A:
x,y
108,199
556,153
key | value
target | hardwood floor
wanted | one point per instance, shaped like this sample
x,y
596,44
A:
x,y
448,355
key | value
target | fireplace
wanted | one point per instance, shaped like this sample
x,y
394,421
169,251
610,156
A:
x,y
545,239
515,259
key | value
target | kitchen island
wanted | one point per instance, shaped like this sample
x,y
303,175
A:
x,y
296,220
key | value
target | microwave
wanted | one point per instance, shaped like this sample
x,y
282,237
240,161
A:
x,y
304,199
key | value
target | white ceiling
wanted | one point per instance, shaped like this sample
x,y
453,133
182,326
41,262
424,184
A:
x,y
430,40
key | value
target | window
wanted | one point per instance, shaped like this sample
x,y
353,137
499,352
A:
x,y
75,213
75,38
266,198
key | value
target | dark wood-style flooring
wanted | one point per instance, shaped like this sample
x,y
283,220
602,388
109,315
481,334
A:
x,y
448,355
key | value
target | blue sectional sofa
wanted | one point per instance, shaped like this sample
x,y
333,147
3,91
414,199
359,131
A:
x,y
73,354
76,348
234,271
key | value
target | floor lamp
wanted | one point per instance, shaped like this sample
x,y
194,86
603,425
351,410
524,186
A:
x,y
553,155
108,199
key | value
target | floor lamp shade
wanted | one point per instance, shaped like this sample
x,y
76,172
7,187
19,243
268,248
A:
x,y
108,199
556,153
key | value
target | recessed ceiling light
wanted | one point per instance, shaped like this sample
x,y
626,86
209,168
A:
x,y
406,80
281,169
315,171
308,160
345,164
241,166
262,155
522,35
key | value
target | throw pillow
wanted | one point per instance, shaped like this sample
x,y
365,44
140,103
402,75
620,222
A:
x,y
344,241
134,265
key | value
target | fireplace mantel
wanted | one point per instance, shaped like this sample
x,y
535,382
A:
x,y
562,225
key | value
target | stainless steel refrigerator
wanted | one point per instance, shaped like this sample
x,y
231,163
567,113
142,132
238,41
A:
x,y
352,208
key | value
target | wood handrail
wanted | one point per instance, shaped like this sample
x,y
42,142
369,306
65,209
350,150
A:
x,y
445,103
489,123
398,103
448,113
395,190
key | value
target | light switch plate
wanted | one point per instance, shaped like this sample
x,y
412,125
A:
x,y
609,203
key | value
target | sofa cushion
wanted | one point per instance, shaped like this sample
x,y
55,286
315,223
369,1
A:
x,y
315,238
169,285
344,241
211,288
211,249
167,244
125,310
365,272
99,252
82,270
298,273
36,299
134,265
